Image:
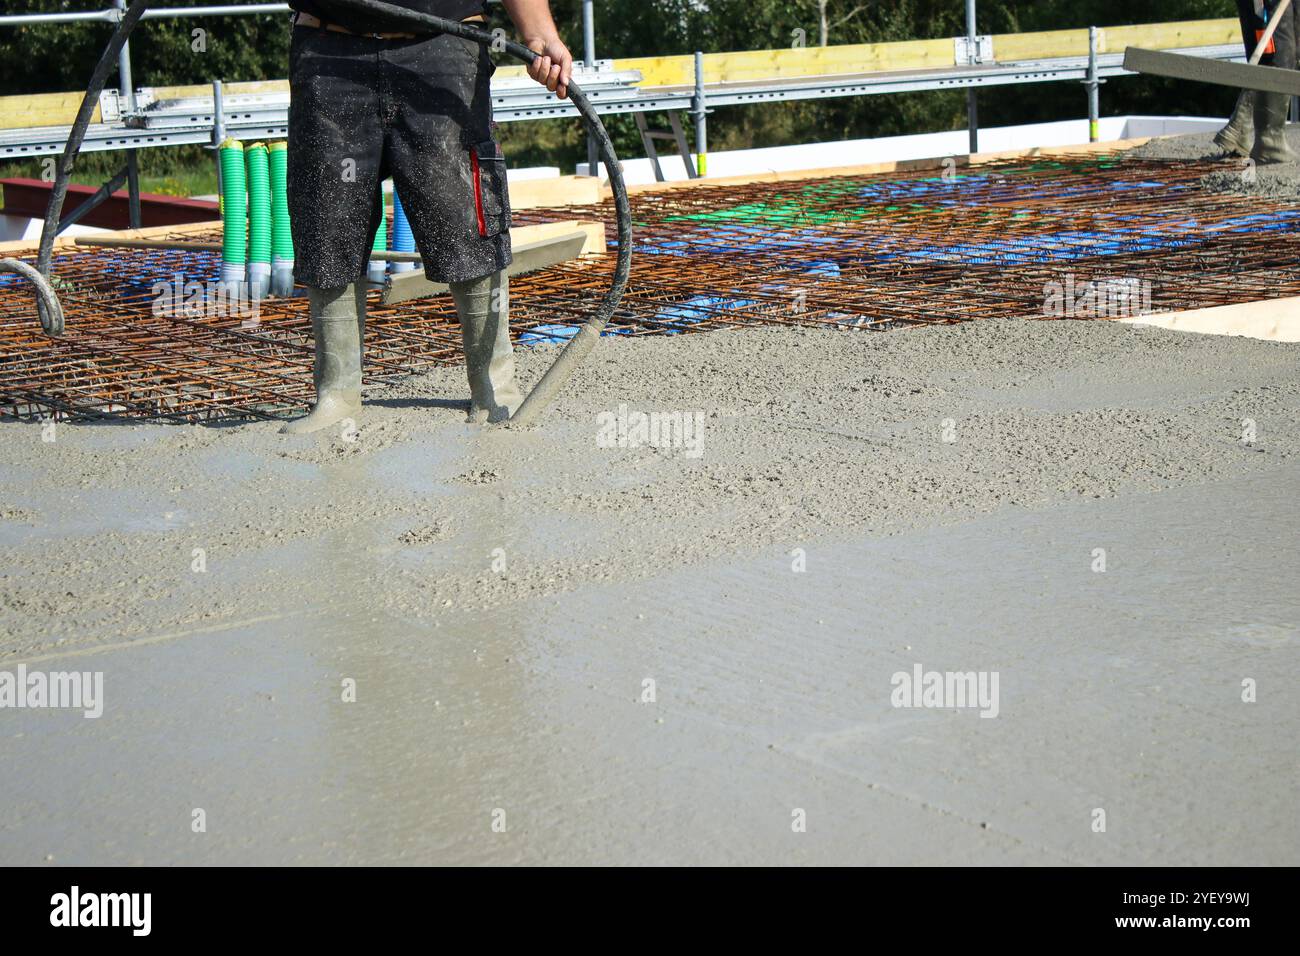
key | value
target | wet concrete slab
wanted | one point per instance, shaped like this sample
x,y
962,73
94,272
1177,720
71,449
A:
x,y
502,599
1119,690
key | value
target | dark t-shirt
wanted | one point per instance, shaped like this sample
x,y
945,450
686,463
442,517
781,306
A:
x,y
365,23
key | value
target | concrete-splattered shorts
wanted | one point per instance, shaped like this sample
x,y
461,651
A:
x,y
363,109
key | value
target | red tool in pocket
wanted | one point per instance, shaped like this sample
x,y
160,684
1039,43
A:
x,y
491,198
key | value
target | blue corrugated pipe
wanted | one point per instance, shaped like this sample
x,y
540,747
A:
x,y
403,239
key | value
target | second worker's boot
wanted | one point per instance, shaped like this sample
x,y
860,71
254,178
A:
x,y
1271,145
483,306
1239,135
337,323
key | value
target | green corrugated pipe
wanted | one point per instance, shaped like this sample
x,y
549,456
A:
x,y
379,266
281,234
234,212
259,220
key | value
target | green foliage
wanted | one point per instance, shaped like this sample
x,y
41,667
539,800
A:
x,y
56,57
60,57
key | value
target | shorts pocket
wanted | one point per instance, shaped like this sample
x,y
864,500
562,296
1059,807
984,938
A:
x,y
491,194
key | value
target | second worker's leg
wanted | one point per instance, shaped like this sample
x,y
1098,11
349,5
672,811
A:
x,y
1239,135
483,306
1271,109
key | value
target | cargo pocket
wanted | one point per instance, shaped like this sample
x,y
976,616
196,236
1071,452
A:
x,y
491,196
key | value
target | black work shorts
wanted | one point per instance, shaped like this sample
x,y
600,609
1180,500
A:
x,y
419,111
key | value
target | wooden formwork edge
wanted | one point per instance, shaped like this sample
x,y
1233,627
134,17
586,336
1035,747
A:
x,y
64,243
889,166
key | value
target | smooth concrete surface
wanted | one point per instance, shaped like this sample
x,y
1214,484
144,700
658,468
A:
x,y
564,649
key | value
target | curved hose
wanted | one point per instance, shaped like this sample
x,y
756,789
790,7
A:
x,y
53,325
47,303
576,349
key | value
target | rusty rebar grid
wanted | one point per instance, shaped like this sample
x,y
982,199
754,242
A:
x,y
859,252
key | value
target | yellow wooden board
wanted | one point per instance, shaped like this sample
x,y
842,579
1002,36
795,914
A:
x,y
227,89
923,54
58,109
42,109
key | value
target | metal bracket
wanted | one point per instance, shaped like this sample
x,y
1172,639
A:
x,y
967,54
110,106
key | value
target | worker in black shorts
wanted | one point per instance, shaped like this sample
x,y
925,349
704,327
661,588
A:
x,y
1258,125
370,100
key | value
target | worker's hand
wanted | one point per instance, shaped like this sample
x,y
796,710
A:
x,y
553,66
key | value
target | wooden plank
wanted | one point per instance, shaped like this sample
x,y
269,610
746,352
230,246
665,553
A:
x,y
42,109
113,241
674,71
594,244
1172,36
1018,47
556,191
891,166
528,257
227,89
1274,320
594,231
63,243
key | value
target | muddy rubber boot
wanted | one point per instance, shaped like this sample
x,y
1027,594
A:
x,y
1239,135
483,306
1271,145
337,323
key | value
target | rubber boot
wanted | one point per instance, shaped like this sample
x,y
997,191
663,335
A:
x,y
1271,145
338,319
1239,135
483,306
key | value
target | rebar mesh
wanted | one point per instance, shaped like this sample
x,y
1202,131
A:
x,y
856,252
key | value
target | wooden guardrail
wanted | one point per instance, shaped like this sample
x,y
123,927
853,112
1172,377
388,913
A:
x,y
58,109
754,65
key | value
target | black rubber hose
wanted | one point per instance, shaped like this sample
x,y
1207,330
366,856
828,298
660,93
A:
x,y
53,323
577,347
48,305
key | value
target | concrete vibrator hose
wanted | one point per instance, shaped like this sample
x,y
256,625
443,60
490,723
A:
x,y
51,313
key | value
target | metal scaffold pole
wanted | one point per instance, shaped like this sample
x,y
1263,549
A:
x,y
589,61
700,112
972,103
126,88
1093,83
